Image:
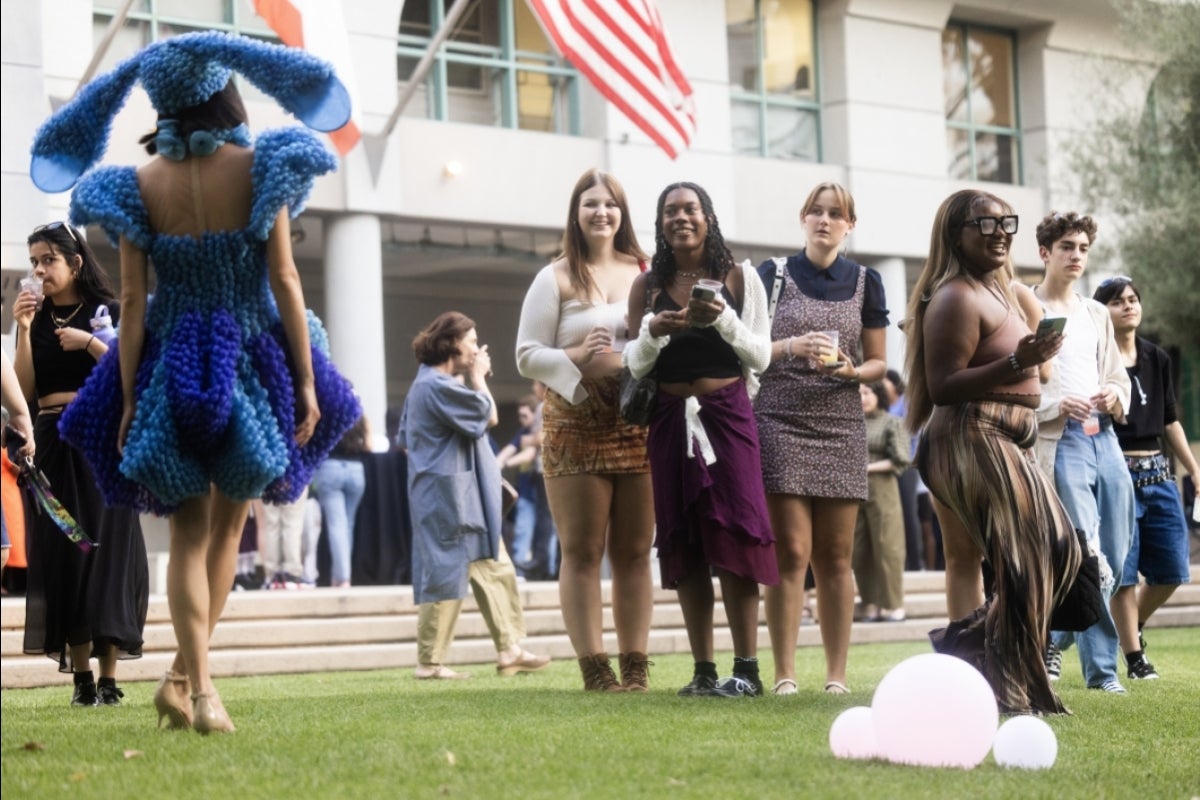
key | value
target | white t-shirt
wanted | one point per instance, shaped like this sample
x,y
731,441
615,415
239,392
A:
x,y
1078,360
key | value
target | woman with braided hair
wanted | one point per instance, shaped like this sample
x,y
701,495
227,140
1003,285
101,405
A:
x,y
705,348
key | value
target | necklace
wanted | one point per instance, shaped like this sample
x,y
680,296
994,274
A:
x,y
681,274
60,321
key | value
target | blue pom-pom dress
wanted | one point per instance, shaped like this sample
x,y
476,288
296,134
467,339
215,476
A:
x,y
215,391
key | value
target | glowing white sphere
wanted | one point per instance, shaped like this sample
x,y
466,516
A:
x,y
1025,742
852,734
934,710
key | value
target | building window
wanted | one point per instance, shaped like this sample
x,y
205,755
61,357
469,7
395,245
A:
x,y
983,137
496,68
152,20
773,78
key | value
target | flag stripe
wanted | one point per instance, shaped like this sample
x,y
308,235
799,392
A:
x,y
621,48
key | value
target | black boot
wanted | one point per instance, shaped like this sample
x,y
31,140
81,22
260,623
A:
x,y
85,690
110,695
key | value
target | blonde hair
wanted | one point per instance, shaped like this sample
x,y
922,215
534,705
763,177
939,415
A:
x,y
845,199
942,266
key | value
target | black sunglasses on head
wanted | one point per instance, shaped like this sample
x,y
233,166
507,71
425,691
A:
x,y
987,225
53,226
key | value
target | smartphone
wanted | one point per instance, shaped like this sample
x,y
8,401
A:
x,y
705,293
1050,325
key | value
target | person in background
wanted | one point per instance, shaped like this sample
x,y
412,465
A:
x,y
1159,551
455,496
709,507
810,421
520,454
572,329
972,393
879,534
1086,393
339,484
80,604
281,542
16,412
915,556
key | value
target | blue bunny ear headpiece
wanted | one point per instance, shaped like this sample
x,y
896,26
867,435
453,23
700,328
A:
x,y
179,73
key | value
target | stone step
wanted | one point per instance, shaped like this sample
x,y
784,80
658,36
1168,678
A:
x,y
267,632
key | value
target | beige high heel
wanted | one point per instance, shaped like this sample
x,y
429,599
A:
x,y
208,715
172,704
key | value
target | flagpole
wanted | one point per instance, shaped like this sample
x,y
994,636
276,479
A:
x,y
101,50
375,144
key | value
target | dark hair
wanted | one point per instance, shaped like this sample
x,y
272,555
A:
x,y
438,343
222,111
718,260
529,401
1113,288
90,278
356,440
1055,226
880,394
897,380
574,244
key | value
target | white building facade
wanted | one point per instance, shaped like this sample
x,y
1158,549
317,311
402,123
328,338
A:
x,y
902,101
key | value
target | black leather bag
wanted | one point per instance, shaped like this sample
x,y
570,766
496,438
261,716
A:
x,y
638,395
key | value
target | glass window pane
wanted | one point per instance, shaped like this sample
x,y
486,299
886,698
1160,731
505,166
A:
x,y
535,101
216,12
958,150
747,137
741,39
133,36
991,79
249,21
414,18
788,40
996,158
479,25
791,133
954,75
530,37
476,107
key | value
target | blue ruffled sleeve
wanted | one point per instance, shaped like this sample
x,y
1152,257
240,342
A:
x,y
109,197
286,162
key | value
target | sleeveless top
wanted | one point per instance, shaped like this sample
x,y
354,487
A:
x,y
697,352
998,344
55,369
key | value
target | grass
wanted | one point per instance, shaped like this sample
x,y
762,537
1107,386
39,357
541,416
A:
x,y
384,735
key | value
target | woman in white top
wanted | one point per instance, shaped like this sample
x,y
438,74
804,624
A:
x,y
572,330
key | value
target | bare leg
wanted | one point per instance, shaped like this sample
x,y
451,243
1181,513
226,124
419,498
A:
x,y
791,521
108,662
740,597
1150,599
1133,605
629,541
833,542
187,589
580,505
81,657
696,600
964,564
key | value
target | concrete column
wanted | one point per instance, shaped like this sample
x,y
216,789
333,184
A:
x,y
354,308
895,288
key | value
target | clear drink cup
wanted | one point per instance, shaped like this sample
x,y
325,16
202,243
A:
x,y
834,357
33,285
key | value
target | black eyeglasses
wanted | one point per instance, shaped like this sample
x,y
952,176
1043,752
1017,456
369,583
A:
x,y
1115,279
53,226
987,225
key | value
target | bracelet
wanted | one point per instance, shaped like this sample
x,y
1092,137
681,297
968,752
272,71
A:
x,y
1014,363
790,355
87,348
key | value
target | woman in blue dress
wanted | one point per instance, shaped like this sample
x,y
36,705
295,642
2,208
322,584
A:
x,y
222,391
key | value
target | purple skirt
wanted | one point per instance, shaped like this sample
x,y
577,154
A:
x,y
710,515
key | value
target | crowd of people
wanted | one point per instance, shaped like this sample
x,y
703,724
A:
x,y
774,445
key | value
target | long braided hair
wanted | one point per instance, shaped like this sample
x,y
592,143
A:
x,y
718,261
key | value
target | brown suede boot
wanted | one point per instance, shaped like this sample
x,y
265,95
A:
x,y
598,674
635,672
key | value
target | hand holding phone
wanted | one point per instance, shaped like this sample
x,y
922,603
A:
x,y
1051,325
706,290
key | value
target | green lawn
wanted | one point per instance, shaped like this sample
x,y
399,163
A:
x,y
384,735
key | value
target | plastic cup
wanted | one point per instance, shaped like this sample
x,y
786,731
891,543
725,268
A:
x,y
710,285
1091,425
33,285
834,357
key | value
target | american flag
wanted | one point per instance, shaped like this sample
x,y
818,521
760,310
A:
x,y
620,46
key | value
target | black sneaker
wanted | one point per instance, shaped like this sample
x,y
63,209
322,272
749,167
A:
x,y
1141,669
1053,662
701,686
738,686
110,695
85,694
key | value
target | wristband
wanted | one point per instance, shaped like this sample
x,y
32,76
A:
x,y
790,355
87,348
1014,363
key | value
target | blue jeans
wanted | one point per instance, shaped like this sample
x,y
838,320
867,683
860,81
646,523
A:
x,y
1160,543
339,485
535,540
1095,488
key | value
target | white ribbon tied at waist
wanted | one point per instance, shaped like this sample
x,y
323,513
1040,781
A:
x,y
695,432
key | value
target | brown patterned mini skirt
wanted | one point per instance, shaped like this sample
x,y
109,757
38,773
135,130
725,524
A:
x,y
591,438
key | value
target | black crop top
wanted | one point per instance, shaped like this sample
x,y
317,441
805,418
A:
x,y
55,369
697,352
1151,401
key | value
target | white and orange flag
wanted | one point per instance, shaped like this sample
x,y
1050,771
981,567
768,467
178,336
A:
x,y
621,47
319,27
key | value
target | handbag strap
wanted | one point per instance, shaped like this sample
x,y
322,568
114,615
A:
x,y
776,287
